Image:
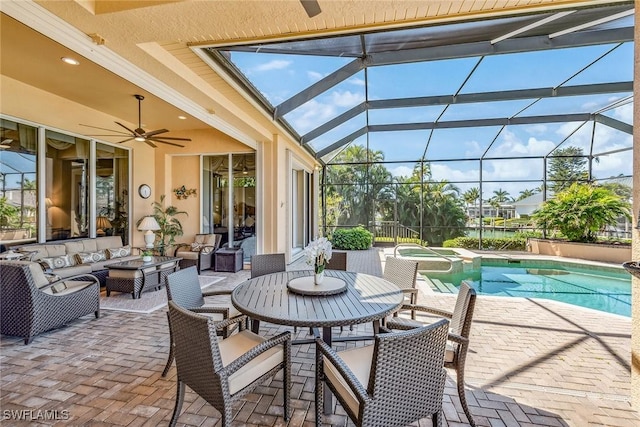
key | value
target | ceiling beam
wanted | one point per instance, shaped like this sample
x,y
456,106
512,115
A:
x,y
318,87
468,98
522,44
614,123
532,26
592,23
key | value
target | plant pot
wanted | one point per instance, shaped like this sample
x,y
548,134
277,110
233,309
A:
x,y
147,258
318,278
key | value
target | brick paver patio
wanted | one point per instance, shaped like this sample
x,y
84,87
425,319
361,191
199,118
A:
x,y
532,363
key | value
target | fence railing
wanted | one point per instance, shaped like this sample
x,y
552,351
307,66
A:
x,y
393,231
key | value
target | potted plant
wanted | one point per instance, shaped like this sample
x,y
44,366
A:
x,y
147,255
170,226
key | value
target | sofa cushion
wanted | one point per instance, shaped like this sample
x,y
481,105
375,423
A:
x,y
72,271
44,251
58,262
90,257
67,287
83,245
108,242
118,252
39,278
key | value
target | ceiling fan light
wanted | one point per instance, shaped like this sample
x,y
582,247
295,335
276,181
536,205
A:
x,y
140,138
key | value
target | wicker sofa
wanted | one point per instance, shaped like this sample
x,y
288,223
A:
x,y
79,256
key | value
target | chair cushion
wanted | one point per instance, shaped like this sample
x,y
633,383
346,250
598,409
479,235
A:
x,y
359,360
233,312
187,254
68,287
39,278
195,247
72,271
235,346
205,239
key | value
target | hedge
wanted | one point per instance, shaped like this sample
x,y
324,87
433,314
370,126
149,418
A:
x,y
488,243
357,238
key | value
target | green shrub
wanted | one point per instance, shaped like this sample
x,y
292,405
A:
x,y
357,238
488,243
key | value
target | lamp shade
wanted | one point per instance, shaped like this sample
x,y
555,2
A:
x,y
148,223
103,222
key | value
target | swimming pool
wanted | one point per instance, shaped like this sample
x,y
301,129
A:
x,y
600,289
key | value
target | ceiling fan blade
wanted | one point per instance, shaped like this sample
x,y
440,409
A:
x,y
132,132
124,140
150,143
155,132
166,142
311,7
96,127
172,138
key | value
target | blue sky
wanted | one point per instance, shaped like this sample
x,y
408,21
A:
x,y
279,77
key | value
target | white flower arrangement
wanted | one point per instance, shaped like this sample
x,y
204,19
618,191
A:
x,y
318,254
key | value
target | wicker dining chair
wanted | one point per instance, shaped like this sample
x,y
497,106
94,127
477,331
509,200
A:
x,y
266,264
394,382
222,372
403,273
183,288
458,341
338,261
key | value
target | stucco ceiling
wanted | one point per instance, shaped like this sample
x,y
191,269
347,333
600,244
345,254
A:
x,y
156,36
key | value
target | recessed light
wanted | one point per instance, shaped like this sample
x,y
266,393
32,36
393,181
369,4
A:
x,y
182,117
70,61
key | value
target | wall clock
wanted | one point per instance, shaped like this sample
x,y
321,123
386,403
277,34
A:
x,y
144,191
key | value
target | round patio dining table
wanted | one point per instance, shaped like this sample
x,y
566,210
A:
x,y
366,299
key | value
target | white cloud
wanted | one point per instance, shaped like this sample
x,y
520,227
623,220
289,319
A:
x,y
311,115
511,145
314,75
473,149
346,98
538,129
356,81
276,64
440,171
401,171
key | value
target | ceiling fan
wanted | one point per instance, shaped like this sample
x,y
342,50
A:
x,y
311,7
140,134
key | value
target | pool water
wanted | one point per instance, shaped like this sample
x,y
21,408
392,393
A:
x,y
608,291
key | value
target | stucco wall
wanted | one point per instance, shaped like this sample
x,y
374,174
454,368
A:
x,y
635,299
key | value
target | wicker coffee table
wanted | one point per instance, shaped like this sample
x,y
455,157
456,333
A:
x,y
137,276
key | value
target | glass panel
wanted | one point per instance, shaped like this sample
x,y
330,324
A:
x,y
511,170
112,191
244,201
399,145
566,166
418,79
216,196
279,77
403,172
615,67
18,197
571,105
328,105
547,68
67,169
461,143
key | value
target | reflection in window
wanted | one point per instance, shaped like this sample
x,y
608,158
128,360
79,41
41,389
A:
x,y
112,191
18,200
231,215
67,172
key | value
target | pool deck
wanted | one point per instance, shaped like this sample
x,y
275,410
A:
x,y
531,363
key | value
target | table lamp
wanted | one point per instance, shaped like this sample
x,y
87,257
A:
x,y
102,223
149,225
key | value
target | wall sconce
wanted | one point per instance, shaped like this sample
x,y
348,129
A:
x,y
183,192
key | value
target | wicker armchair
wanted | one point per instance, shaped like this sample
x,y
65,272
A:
x,y
267,264
394,382
31,304
458,341
403,273
183,288
338,261
200,252
222,372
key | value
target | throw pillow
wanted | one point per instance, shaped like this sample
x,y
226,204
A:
x,y
119,252
58,287
89,257
196,247
52,277
59,261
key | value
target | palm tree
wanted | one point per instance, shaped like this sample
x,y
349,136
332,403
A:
x,y
526,193
471,196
